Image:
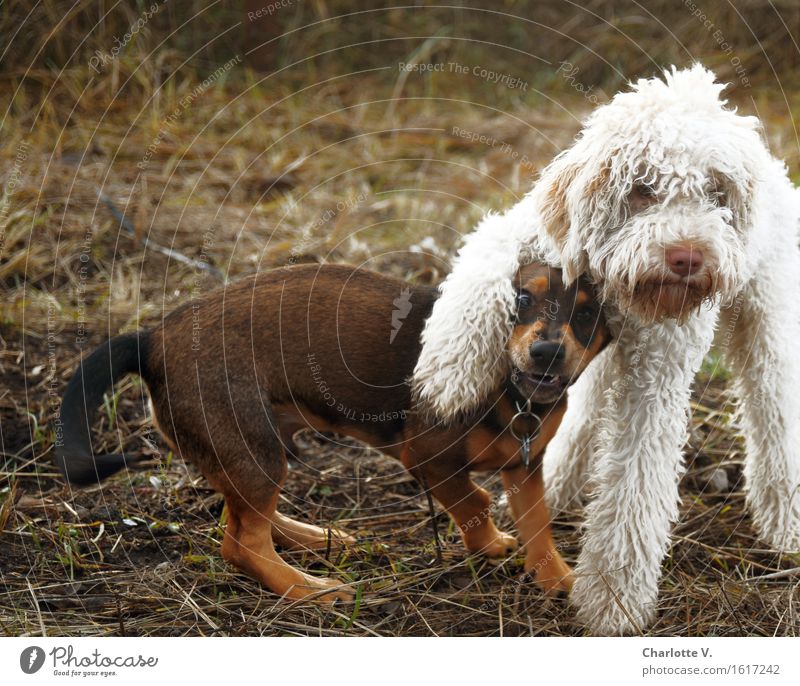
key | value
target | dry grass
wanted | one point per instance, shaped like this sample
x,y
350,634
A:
x,y
312,163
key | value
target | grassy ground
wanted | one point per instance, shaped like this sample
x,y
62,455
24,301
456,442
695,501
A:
x,y
315,164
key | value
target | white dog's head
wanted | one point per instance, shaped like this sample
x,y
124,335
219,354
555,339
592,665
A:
x,y
654,198
655,201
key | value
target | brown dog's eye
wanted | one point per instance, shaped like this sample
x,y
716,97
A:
x,y
524,300
584,316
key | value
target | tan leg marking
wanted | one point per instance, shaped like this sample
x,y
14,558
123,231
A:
x,y
473,516
294,535
468,505
542,559
248,545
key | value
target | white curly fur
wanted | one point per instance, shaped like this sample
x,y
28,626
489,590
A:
x,y
459,364
664,165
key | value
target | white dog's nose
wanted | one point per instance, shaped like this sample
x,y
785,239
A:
x,y
684,261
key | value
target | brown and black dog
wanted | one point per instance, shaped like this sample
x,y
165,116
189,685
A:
x,y
234,374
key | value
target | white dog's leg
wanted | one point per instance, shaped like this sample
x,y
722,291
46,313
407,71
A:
x,y
568,459
637,467
763,327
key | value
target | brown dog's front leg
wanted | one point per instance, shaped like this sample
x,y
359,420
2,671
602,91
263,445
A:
x,y
468,504
542,560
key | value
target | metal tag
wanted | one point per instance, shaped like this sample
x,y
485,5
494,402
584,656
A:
x,y
525,449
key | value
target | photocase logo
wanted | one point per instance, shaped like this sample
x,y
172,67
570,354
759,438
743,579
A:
x,y
402,306
31,659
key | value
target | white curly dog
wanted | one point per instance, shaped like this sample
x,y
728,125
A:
x,y
673,205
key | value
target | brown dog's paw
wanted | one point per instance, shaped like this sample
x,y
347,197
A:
x,y
326,590
293,535
497,545
343,538
338,539
552,574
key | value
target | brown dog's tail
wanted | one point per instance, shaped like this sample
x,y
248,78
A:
x,y
96,374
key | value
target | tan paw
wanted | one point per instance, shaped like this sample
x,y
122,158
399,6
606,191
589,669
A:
x,y
308,537
322,589
342,537
498,544
551,574
338,538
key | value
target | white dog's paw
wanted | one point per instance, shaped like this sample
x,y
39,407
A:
x,y
608,613
774,505
784,537
778,525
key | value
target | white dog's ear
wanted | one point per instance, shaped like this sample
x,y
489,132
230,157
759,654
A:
x,y
566,195
551,191
741,167
735,191
463,356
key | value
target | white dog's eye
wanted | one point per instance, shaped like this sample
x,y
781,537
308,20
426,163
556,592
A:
x,y
641,197
644,190
717,197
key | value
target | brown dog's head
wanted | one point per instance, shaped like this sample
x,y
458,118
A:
x,y
558,331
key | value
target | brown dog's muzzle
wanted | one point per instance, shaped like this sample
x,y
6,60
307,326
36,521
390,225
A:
x,y
558,331
546,356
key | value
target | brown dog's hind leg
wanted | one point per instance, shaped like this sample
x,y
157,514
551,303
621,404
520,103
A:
x,y
287,532
542,560
248,545
468,504
294,535
251,485
230,436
